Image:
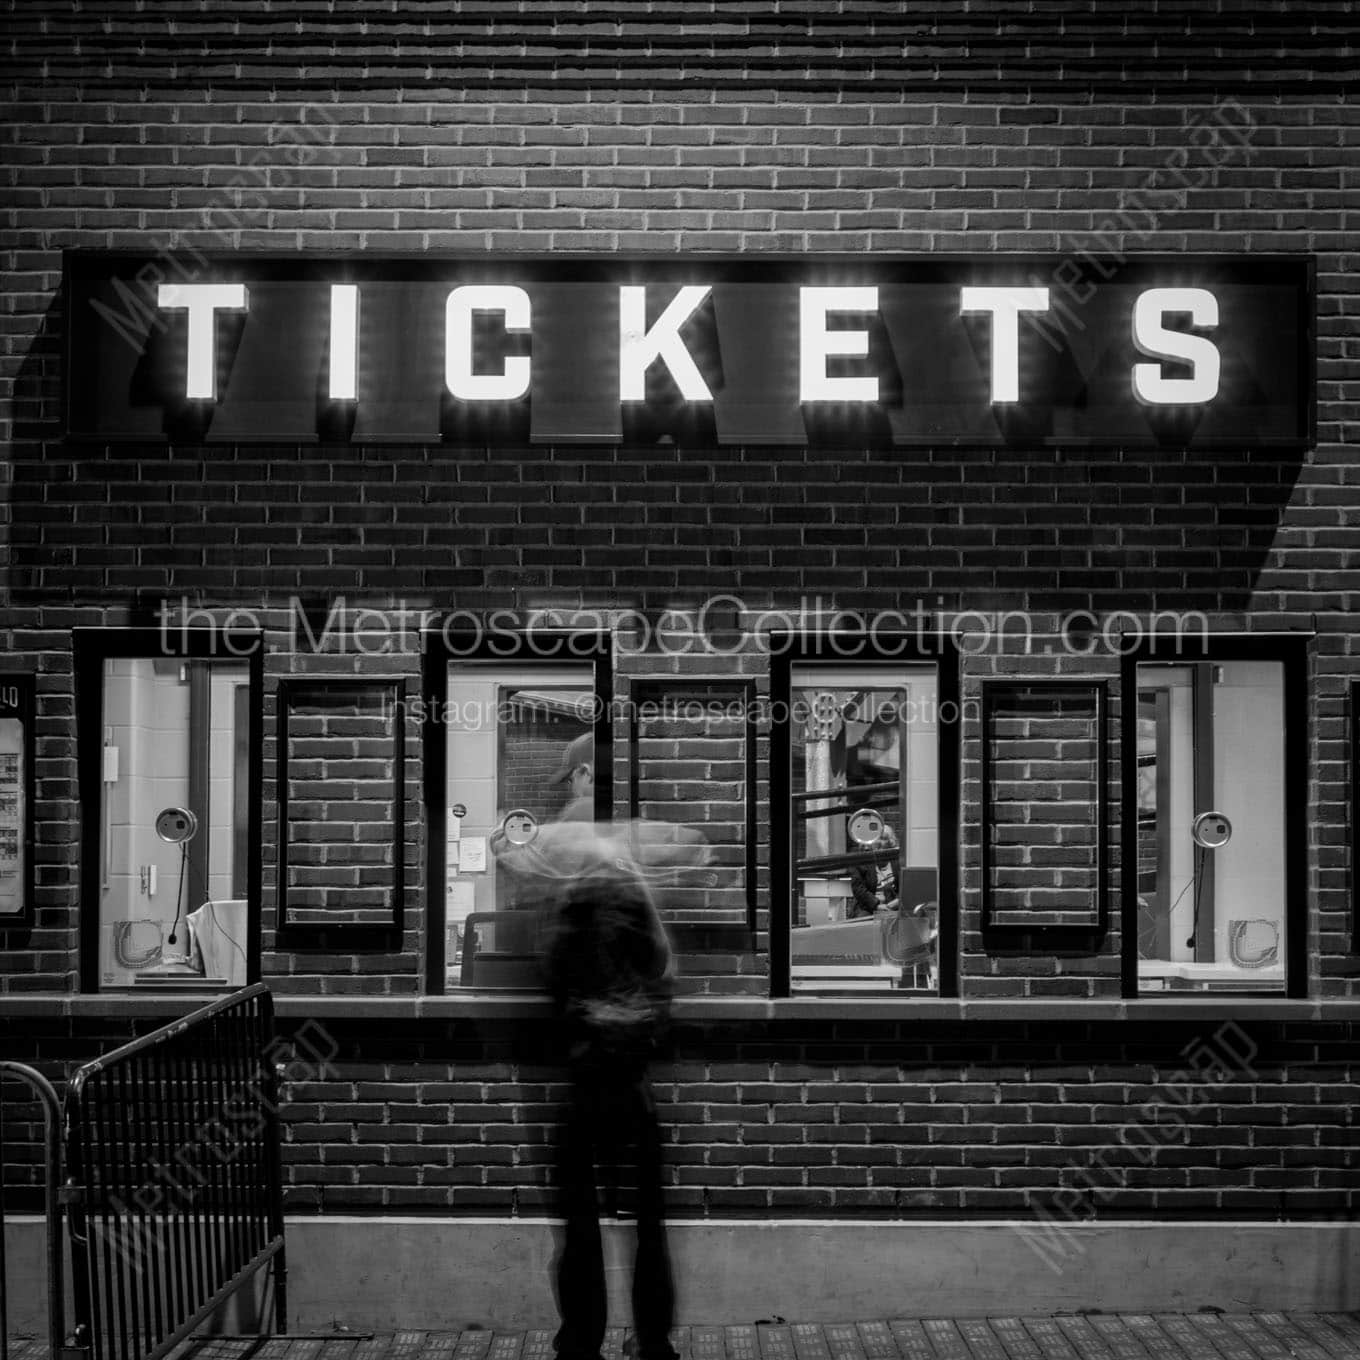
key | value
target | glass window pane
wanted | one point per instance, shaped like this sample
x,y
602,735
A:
x,y
517,737
1211,826
865,828
172,739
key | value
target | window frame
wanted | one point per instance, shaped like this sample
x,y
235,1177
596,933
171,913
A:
x,y
567,647
1290,650
91,648
994,691
647,689
366,936
789,649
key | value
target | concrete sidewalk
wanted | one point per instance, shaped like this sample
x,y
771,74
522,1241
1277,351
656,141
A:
x,y
1128,1336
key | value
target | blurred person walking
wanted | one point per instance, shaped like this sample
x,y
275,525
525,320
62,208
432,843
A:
x,y
609,970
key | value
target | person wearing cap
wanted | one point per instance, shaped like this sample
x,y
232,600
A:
x,y
577,771
560,849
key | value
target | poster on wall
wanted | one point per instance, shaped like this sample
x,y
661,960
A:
x,y
16,798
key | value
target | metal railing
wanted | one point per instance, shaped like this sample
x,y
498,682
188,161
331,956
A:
x,y
174,1184
52,1206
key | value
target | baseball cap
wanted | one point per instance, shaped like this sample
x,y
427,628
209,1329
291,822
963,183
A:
x,y
580,751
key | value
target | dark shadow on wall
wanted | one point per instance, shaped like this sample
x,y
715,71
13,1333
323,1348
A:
x,y
1142,531
1035,529
38,423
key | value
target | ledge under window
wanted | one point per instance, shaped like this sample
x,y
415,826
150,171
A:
x,y
703,1009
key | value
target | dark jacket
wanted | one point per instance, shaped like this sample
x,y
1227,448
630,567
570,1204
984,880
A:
x,y
864,887
608,967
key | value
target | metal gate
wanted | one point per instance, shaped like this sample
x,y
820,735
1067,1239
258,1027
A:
x,y
174,1188
51,1112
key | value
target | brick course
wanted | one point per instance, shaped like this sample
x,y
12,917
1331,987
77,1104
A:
x,y
1074,1120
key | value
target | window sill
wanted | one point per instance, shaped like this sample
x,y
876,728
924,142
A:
x,y
703,1009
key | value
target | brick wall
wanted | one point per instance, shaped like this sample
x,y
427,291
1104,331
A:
x,y
532,752
341,796
800,45
853,127
310,959
1072,1120
1042,754
879,1117
690,766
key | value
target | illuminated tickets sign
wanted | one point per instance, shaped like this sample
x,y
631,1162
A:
x,y
1129,352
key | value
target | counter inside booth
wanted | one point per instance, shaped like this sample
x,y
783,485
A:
x,y
893,945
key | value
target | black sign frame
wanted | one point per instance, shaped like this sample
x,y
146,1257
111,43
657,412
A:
x,y
313,419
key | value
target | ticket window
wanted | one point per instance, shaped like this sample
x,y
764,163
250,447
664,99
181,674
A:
x,y
865,814
1211,826
518,737
176,735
